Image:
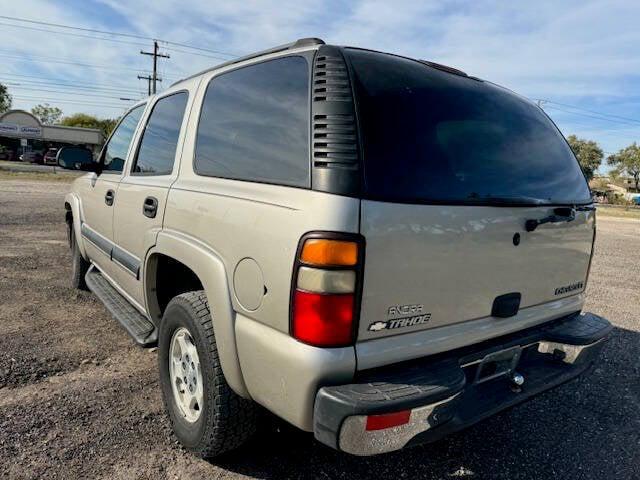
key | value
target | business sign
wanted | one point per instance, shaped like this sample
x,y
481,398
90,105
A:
x,y
20,130
9,128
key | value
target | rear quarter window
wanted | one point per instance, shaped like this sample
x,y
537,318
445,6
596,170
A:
x,y
254,124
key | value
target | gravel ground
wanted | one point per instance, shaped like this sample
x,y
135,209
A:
x,y
34,167
79,400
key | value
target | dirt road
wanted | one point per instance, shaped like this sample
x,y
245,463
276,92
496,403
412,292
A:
x,y
79,400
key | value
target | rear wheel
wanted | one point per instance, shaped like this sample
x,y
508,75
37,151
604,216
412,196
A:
x,y
206,415
79,265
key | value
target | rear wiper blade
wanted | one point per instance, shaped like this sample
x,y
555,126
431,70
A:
x,y
560,214
507,200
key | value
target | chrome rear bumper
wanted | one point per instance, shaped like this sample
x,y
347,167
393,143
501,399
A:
x,y
442,394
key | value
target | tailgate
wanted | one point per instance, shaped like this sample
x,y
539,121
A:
x,y
429,266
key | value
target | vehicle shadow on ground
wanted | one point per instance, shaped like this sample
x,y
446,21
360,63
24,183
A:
x,y
588,428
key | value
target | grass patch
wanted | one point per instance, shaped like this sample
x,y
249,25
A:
x,y
619,212
41,176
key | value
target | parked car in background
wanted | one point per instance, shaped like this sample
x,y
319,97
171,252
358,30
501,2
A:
x,y
50,156
32,157
6,154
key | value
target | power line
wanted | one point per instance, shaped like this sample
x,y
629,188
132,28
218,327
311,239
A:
x,y
171,49
70,93
184,45
604,119
70,34
594,112
20,82
71,102
120,34
40,79
63,62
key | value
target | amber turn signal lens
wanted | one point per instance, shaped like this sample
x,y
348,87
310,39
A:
x,y
324,252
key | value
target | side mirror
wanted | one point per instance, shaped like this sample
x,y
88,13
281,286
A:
x,y
77,158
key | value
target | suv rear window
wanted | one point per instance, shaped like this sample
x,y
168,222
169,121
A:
x,y
430,136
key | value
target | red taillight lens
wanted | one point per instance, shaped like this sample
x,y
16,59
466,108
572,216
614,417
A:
x,y
323,320
388,420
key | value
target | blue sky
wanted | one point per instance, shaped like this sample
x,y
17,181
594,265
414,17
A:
x,y
581,54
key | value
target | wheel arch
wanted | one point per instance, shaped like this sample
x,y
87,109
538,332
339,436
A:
x,y
73,218
210,271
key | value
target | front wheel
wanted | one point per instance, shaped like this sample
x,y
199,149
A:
x,y
206,415
79,266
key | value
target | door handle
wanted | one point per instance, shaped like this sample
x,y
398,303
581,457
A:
x,y
109,197
150,207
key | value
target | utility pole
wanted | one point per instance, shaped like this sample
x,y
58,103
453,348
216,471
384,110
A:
x,y
148,78
155,54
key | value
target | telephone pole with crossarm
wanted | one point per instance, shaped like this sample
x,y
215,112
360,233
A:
x,y
155,54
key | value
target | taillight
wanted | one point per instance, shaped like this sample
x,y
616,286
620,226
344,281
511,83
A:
x,y
326,289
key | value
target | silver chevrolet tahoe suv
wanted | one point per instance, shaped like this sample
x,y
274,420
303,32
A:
x,y
377,249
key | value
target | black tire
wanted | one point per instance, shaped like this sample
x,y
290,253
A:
x,y
79,265
226,420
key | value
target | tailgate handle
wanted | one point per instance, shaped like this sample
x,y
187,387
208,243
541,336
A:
x,y
560,214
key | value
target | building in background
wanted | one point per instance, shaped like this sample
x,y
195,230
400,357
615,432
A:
x,y
21,132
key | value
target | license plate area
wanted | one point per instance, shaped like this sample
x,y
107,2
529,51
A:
x,y
498,364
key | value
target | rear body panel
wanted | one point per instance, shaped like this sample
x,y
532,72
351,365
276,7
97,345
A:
x,y
448,263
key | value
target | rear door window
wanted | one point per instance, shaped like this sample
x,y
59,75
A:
x,y
432,136
254,124
157,150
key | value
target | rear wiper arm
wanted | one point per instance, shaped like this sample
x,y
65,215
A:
x,y
560,214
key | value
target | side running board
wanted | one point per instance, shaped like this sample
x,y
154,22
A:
x,y
137,325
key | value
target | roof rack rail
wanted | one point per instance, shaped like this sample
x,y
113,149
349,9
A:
x,y
302,42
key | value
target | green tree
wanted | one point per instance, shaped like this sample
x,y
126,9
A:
x,y
47,114
5,99
627,161
106,125
588,153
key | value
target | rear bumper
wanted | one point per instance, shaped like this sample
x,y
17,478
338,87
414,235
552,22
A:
x,y
445,393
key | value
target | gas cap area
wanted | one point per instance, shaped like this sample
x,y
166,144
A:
x,y
248,284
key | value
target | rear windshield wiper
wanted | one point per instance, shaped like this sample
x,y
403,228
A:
x,y
560,214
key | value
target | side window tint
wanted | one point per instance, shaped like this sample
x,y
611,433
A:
x,y
254,124
157,150
115,152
